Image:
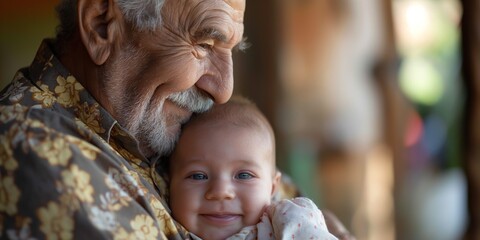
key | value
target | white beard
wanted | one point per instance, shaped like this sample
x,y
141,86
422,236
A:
x,y
152,131
153,134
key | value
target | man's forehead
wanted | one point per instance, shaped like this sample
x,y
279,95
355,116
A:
x,y
236,4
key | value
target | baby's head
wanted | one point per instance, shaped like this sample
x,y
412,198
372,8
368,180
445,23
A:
x,y
223,170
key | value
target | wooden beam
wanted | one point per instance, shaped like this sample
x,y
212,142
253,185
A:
x,y
395,108
470,38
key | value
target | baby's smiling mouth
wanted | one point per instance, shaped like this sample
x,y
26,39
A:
x,y
221,218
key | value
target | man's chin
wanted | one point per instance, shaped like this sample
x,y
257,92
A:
x,y
160,144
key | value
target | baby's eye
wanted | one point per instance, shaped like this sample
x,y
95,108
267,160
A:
x,y
198,176
244,175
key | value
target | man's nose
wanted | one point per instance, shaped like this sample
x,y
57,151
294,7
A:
x,y
219,85
220,190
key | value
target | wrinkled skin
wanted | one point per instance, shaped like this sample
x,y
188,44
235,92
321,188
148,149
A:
x,y
191,50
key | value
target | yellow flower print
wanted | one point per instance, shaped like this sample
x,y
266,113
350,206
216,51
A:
x,y
9,195
56,223
113,146
144,228
88,150
78,181
6,155
69,200
126,154
122,152
118,131
90,115
43,95
56,151
37,124
9,113
159,209
121,234
67,91
164,219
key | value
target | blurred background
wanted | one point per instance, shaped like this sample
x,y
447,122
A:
x,y
374,104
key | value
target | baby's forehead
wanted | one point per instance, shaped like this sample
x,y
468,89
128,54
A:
x,y
244,116
228,129
252,127
236,128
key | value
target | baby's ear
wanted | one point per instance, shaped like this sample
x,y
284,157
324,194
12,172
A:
x,y
276,182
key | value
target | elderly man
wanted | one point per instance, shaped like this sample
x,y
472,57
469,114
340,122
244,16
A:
x,y
80,126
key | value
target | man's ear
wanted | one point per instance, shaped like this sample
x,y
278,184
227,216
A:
x,y
276,182
99,21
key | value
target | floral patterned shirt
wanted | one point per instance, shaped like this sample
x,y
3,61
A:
x,y
68,169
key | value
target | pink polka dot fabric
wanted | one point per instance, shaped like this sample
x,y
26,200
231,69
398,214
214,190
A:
x,y
298,218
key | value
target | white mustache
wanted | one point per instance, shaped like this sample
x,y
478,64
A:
x,y
192,99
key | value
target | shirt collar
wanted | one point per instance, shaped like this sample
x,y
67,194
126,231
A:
x,y
48,70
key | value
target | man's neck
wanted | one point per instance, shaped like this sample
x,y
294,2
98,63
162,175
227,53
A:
x,y
76,59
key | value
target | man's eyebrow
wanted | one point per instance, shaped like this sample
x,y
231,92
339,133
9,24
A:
x,y
243,45
211,33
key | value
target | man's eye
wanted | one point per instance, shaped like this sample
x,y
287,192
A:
x,y
198,176
206,44
244,175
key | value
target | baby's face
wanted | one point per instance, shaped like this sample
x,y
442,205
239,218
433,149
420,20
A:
x,y
222,177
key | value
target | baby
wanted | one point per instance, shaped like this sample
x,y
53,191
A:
x,y
223,177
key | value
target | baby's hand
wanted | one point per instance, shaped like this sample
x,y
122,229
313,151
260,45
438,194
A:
x,y
299,218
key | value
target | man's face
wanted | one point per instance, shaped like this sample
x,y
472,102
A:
x,y
157,79
222,177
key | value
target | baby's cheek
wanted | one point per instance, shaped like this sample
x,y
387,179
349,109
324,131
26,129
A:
x,y
255,208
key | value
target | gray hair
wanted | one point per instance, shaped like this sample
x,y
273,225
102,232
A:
x,y
144,15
